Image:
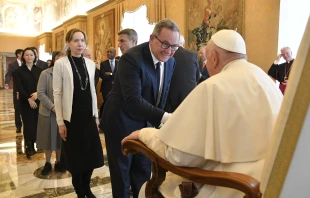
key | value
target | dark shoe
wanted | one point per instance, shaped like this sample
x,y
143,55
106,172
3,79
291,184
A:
x,y
59,168
47,168
29,151
89,193
18,130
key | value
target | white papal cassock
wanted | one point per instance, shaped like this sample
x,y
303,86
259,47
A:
x,y
225,124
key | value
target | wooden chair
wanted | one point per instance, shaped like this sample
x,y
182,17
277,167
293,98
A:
x,y
241,182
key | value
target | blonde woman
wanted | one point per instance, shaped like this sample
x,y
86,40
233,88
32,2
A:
x,y
76,113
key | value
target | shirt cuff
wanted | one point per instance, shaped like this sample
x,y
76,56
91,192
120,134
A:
x,y
165,117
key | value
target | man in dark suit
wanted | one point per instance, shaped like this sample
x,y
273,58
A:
x,y
107,72
39,63
184,78
137,100
10,74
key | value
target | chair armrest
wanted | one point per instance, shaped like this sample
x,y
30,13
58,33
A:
x,y
238,181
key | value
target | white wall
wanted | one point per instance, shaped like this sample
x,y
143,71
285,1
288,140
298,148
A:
x,y
293,20
298,177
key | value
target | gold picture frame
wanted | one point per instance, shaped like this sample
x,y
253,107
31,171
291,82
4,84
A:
x,y
205,17
104,34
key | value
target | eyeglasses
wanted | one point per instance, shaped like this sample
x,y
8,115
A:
x,y
166,45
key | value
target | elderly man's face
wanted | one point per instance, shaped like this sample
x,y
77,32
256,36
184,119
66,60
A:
x,y
87,54
287,54
124,43
202,53
165,36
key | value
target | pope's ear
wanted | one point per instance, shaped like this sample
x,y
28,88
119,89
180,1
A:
x,y
215,57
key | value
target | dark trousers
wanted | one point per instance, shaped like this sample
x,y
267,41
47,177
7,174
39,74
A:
x,y
18,121
81,183
125,171
30,121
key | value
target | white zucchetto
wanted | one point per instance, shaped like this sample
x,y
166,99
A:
x,y
229,40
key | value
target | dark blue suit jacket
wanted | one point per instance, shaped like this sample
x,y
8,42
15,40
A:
x,y
131,103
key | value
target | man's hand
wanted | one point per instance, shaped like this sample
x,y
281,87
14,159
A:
x,y
63,132
279,57
132,136
6,87
108,73
54,110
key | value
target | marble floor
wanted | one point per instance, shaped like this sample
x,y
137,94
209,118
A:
x,y
20,177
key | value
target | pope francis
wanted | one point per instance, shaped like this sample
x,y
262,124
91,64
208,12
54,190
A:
x,y
225,124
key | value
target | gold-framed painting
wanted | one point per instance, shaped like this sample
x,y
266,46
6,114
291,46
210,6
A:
x,y
104,34
59,41
205,17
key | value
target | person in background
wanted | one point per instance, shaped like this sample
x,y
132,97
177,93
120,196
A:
x,y
127,38
225,123
184,78
281,72
137,100
204,75
10,74
75,102
87,54
39,63
48,137
49,62
26,78
108,70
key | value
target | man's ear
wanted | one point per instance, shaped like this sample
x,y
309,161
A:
x,y
214,58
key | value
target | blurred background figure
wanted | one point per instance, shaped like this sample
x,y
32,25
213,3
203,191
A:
x,y
48,137
39,63
87,54
281,72
49,62
8,76
27,77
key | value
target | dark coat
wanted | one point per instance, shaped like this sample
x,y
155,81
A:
x,y
107,81
41,64
26,81
278,71
184,78
10,74
131,104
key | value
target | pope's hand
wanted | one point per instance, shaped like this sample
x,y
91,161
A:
x,y
132,136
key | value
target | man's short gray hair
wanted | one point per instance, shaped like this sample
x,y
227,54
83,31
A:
x,y
131,33
165,23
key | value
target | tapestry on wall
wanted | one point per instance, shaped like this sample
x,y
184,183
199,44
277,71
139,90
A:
x,y
104,31
205,17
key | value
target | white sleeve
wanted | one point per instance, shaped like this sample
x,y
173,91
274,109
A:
x,y
174,156
57,92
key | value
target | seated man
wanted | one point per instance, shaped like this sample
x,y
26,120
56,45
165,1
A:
x,y
225,123
281,72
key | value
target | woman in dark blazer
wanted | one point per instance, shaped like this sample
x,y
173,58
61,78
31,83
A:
x,y
27,77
